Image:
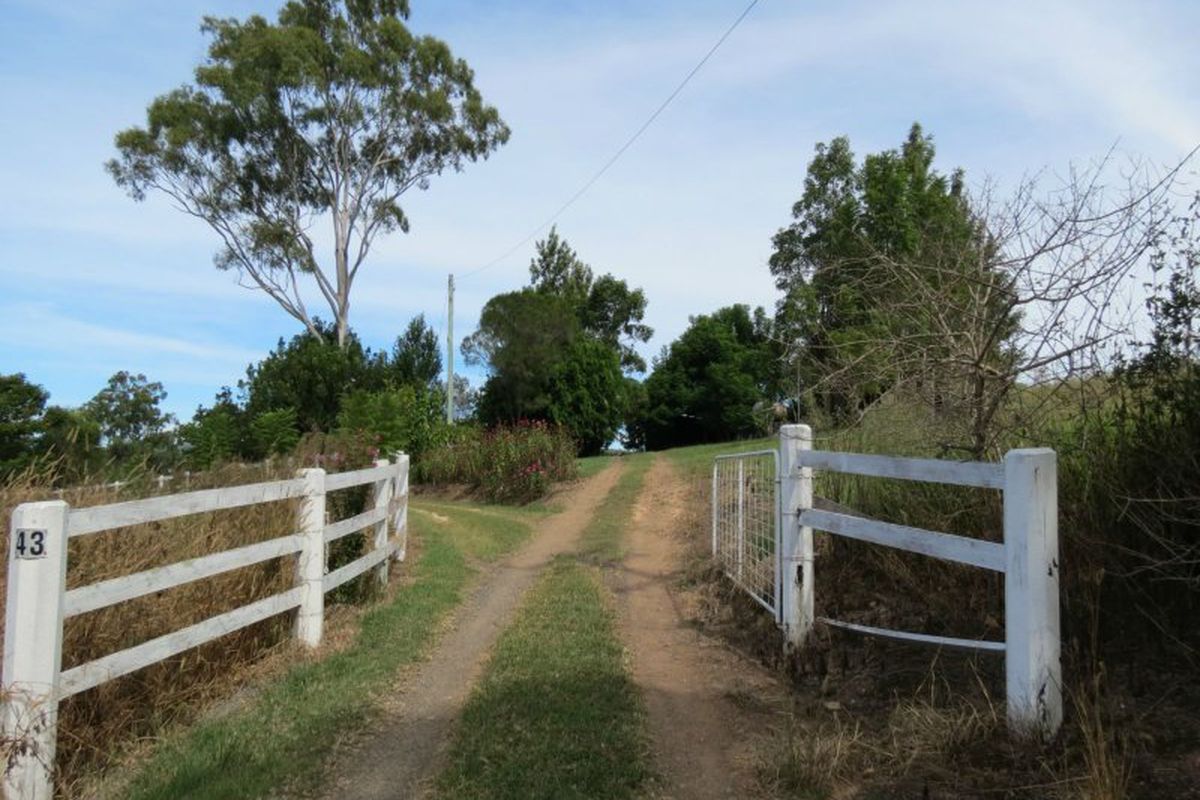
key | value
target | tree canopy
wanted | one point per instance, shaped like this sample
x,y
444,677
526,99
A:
x,y
416,355
132,425
521,337
861,235
556,350
21,407
329,115
310,374
706,383
586,394
32,432
606,308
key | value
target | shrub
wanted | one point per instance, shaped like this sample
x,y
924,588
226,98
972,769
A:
x,y
507,464
405,419
21,407
310,374
213,438
275,432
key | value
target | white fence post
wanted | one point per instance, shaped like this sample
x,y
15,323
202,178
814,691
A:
x,y
310,568
1031,604
37,576
796,545
400,504
381,493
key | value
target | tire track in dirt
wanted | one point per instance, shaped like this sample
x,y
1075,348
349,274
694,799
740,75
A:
x,y
398,756
701,737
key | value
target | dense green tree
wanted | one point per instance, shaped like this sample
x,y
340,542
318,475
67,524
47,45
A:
x,y
586,391
707,382
275,432
22,405
329,115
607,309
416,355
408,418
300,387
861,235
551,348
133,427
522,336
70,439
309,374
633,424
557,269
214,436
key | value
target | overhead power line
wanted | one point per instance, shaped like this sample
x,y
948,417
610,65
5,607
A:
x,y
621,151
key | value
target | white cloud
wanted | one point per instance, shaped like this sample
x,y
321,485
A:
x,y
40,326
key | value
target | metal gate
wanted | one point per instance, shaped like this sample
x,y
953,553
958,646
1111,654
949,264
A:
x,y
746,519
764,516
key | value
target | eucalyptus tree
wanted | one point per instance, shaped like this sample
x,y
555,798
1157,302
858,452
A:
x,y
308,131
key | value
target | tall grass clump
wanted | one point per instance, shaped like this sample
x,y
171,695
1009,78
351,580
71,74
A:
x,y
506,464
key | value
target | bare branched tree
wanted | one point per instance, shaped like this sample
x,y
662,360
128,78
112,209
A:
x,y
1035,300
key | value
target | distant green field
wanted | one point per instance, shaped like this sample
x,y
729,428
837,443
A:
x,y
696,461
593,465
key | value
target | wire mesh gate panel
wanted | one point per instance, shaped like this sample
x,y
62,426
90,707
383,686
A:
x,y
746,519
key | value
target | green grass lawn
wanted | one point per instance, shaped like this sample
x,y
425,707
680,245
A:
x,y
557,714
282,737
696,461
593,465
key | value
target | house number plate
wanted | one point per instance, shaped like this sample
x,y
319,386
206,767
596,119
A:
x,y
29,543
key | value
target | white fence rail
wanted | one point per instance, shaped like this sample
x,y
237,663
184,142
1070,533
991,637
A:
x,y
1028,557
38,600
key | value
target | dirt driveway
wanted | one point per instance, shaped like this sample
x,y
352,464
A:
x,y
397,757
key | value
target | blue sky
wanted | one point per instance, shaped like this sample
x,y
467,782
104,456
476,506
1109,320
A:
x,y
91,282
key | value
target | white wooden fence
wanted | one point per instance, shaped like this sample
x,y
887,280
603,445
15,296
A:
x,y
1028,557
38,600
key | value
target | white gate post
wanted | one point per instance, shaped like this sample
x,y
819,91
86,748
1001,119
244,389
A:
x,y
1031,604
37,582
310,567
381,494
400,504
796,547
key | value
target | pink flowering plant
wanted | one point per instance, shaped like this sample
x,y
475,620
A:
x,y
515,463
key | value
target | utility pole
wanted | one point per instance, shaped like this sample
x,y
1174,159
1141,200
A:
x,y
450,352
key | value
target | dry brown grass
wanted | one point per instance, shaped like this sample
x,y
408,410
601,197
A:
x,y
1105,752
810,760
876,719
99,725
